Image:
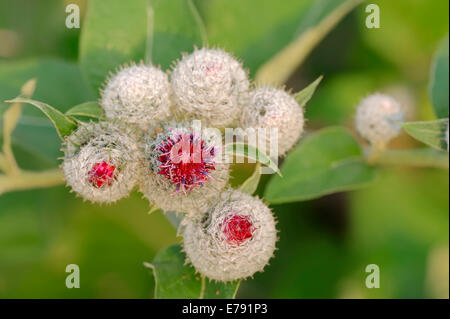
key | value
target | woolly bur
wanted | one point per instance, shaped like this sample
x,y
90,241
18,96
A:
x,y
210,84
100,162
235,239
181,171
272,108
137,94
377,118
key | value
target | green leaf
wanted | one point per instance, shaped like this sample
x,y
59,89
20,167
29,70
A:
x,y
87,109
306,94
251,152
278,69
174,279
63,124
323,163
116,32
431,133
177,28
439,76
59,83
236,25
251,184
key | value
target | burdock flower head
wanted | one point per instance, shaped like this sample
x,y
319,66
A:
x,y
182,171
137,94
210,84
100,161
377,118
272,108
235,239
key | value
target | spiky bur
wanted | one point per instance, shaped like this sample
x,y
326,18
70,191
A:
x,y
101,161
137,94
268,108
210,84
377,118
235,239
181,171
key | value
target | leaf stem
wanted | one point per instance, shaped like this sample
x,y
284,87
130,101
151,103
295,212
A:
x,y
3,163
375,152
278,69
415,158
29,180
10,118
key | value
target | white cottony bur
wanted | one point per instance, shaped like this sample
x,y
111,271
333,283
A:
x,y
185,187
210,84
101,162
137,94
235,240
268,108
377,118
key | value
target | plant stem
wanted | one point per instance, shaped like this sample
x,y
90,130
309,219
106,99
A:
x,y
375,152
10,117
3,163
29,180
278,69
415,158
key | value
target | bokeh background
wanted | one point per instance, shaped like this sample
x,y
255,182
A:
x,y
401,222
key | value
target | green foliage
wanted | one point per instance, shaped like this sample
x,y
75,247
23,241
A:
x,y
59,84
253,153
419,24
439,81
64,125
431,133
175,279
175,31
250,185
396,222
87,109
283,21
306,94
113,34
325,162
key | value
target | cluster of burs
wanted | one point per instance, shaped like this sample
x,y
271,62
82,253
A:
x,y
227,234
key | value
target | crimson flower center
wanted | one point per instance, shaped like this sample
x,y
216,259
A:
x,y
185,161
237,229
101,174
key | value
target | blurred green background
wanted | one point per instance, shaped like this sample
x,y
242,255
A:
x,y
400,223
